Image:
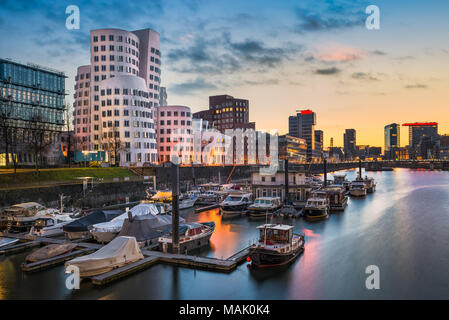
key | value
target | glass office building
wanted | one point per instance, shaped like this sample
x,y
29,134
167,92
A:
x,y
31,93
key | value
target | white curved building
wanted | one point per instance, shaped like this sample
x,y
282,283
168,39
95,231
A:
x,y
81,108
124,92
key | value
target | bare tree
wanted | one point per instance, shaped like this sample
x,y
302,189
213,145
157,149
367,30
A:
x,y
70,139
113,145
40,138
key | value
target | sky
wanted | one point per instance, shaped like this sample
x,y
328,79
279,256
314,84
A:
x,y
281,55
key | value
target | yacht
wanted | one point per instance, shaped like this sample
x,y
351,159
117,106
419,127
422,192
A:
x,y
277,246
264,206
357,189
186,201
235,204
191,236
23,210
50,225
317,206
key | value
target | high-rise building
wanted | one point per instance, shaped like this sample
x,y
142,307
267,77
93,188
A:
x,y
226,112
421,135
303,126
392,133
31,108
174,133
349,138
124,88
292,148
319,142
331,145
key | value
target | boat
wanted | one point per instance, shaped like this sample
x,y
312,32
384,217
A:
x,y
235,204
340,181
162,197
370,185
26,212
192,236
50,251
277,246
79,228
264,206
186,201
104,232
358,188
287,211
117,253
208,197
317,206
50,225
4,242
147,228
337,197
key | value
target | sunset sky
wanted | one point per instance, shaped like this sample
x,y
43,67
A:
x,y
281,55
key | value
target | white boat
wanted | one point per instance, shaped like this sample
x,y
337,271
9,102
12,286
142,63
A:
x,y
317,207
264,206
20,217
118,253
370,185
357,189
191,236
7,241
50,225
106,231
235,204
187,202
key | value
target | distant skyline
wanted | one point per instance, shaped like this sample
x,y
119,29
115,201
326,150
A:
x,y
280,55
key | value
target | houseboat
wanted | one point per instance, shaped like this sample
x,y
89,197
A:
x,y
358,188
370,185
340,181
235,204
264,206
317,206
277,246
337,198
191,236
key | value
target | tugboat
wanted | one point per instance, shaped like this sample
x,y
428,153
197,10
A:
x,y
191,236
264,206
235,204
277,246
317,206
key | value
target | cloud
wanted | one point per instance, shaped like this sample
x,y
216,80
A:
x,y
336,14
327,71
416,86
338,52
379,52
192,86
364,76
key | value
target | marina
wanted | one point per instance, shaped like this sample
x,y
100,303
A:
x,y
231,238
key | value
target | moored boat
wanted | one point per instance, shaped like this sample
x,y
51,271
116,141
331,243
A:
x,y
264,206
317,206
370,185
79,228
117,253
20,217
277,246
50,251
337,198
191,236
50,225
235,204
357,189
4,242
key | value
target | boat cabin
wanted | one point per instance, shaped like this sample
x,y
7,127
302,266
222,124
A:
x,y
275,233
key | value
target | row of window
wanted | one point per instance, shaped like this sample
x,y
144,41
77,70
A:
x,y
175,122
111,37
175,114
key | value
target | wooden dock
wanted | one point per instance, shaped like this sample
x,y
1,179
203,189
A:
x,y
19,247
124,271
210,207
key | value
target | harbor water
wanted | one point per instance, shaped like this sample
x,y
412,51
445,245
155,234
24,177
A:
x,y
403,229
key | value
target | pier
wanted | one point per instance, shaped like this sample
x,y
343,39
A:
x,y
150,258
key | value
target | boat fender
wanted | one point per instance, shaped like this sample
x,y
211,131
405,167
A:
x,y
248,259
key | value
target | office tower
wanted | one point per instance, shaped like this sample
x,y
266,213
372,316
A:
x,y
292,148
303,126
124,88
349,138
421,136
319,141
226,112
392,133
31,108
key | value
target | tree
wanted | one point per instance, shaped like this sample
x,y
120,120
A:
x,y
69,139
6,127
40,138
113,145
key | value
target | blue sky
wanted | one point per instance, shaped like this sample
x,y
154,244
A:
x,y
281,55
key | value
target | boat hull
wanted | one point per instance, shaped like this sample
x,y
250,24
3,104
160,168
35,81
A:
x,y
262,258
186,246
104,237
262,212
357,193
315,215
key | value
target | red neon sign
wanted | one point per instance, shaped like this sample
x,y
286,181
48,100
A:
x,y
306,112
420,124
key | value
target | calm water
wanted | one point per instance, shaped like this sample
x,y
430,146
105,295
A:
x,y
403,228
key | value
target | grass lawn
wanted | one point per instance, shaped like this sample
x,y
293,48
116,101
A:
x,y
29,176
